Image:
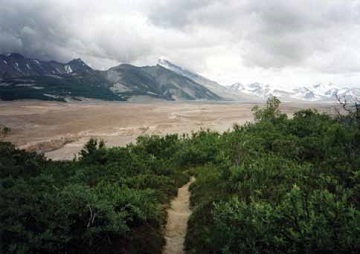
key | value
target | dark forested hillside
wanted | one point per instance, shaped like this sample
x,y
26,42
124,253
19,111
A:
x,y
277,185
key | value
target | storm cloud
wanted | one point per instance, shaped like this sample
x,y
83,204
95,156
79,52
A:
x,y
275,41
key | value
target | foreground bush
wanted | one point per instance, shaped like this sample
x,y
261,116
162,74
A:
x,y
109,201
280,186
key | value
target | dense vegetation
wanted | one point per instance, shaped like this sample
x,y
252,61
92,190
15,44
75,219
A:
x,y
109,201
275,185
279,185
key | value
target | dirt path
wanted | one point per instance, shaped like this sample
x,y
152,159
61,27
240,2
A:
x,y
176,226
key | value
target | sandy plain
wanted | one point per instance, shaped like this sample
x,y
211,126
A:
x,y
61,129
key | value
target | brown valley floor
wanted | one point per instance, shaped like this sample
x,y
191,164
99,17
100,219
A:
x,y
61,129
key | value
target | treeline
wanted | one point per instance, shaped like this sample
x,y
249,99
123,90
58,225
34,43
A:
x,y
275,185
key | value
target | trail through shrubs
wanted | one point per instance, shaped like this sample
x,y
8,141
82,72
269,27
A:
x,y
276,185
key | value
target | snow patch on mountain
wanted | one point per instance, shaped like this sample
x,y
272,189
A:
x,y
16,65
224,92
318,92
68,69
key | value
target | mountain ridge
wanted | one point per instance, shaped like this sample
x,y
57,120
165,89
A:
x,y
314,93
26,78
213,86
15,65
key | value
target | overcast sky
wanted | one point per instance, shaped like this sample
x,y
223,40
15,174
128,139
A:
x,y
278,42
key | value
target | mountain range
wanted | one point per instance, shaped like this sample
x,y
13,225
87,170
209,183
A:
x,y
26,78
318,92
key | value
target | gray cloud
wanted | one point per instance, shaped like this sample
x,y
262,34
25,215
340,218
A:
x,y
34,28
274,34
62,30
291,32
279,35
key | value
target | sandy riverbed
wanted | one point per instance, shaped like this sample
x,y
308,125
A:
x,y
61,129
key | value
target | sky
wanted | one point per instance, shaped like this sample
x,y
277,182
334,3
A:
x,y
284,43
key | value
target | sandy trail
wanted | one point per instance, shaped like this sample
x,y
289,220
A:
x,y
176,226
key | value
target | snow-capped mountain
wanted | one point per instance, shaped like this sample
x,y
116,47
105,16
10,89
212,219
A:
x,y
155,81
325,92
223,91
15,65
318,92
256,91
27,78
259,90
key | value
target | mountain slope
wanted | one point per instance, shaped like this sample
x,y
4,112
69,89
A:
x,y
156,81
222,91
25,78
57,87
16,65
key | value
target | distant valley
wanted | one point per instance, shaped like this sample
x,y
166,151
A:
x,y
25,78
